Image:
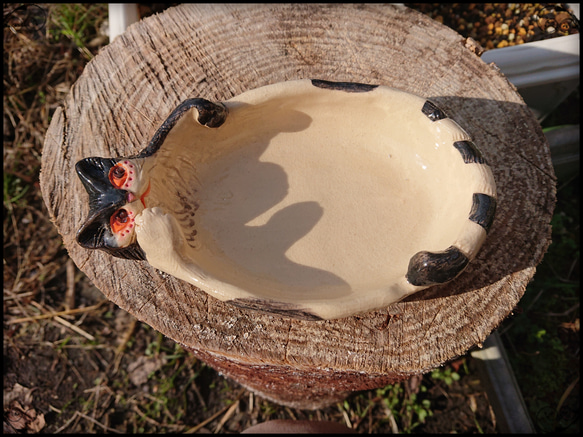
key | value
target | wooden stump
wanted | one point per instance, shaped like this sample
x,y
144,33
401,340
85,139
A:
x,y
219,51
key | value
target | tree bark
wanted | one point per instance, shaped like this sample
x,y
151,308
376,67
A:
x,y
220,51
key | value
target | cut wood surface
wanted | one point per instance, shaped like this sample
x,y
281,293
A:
x,y
220,51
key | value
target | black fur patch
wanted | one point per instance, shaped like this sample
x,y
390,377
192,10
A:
x,y
483,210
273,307
429,268
349,87
432,112
470,152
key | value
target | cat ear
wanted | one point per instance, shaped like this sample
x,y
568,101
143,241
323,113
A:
x,y
94,174
92,234
133,252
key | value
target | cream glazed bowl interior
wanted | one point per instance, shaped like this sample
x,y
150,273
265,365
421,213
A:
x,y
311,199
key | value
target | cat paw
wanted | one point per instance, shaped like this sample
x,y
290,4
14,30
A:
x,y
157,233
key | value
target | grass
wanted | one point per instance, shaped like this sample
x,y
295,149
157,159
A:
x,y
75,21
81,364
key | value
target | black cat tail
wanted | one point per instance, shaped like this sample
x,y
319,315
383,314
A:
x,y
210,114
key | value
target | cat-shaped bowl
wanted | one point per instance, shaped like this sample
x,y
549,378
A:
x,y
308,198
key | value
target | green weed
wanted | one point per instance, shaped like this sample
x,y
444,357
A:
x,y
409,409
79,23
14,191
447,375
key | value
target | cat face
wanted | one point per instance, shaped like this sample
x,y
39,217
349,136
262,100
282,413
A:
x,y
118,187
118,190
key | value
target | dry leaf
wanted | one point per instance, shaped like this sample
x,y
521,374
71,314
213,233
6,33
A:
x,y
24,418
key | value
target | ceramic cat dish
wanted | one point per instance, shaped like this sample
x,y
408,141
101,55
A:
x,y
311,199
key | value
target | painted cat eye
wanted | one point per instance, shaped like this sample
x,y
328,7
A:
x,y
121,174
120,221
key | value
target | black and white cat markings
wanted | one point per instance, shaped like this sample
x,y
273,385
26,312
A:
x,y
118,188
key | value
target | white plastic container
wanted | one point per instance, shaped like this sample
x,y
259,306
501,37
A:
x,y
544,72
121,15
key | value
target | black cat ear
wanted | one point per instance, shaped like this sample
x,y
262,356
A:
x,y
93,173
133,251
91,234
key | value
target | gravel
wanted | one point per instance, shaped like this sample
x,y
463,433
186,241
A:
x,y
497,25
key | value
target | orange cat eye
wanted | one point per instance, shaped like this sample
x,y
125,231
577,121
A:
x,y
119,221
121,174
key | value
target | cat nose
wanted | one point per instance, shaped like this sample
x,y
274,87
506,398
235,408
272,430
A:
x,y
131,197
